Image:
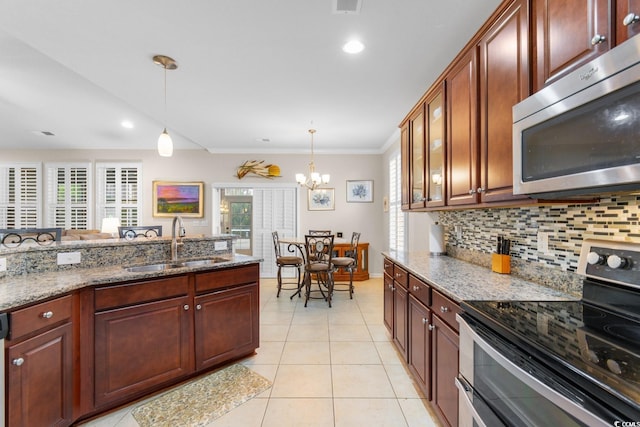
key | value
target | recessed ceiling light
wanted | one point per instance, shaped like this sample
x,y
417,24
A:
x,y
127,124
353,46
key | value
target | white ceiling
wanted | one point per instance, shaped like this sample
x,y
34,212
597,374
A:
x,y
248,70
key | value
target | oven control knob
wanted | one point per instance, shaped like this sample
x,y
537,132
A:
x,y
614,261
595,258
614,366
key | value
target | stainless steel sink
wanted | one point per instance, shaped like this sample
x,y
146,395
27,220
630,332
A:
x,y
170,265
199,262
153,267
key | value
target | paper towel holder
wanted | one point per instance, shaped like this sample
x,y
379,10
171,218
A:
x,y
437,238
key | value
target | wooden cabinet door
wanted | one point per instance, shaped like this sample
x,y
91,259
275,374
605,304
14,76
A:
x,y
445,342
566,36
40,380
504,81
626,23
417,155
226,325
420,344
388,302
141,346
462,134
404,159
400,331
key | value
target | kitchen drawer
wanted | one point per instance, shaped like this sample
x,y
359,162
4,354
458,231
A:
x,y
228,277
40,316
140,292
446,309
401,277
420,290
388,267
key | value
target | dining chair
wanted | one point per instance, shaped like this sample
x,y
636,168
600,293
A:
x,y
283,261
319,255
11,237
132,232
348,263
319,232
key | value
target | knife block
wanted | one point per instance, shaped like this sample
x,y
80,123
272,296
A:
x,y
501,263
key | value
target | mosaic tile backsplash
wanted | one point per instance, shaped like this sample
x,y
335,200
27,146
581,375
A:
x,y
615,217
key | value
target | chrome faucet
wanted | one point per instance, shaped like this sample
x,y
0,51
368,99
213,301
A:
x,y
175,241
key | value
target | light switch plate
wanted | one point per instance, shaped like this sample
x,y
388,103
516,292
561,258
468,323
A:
x,y
220,246
69,258
3,264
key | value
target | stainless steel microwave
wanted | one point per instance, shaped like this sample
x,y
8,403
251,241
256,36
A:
x,y
581,134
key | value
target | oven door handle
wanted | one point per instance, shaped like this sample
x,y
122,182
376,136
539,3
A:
x,y
466,394
544,390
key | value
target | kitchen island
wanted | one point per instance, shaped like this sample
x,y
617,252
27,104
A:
x,y
84,340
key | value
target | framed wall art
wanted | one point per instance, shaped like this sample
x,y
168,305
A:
x,y
321,199
360,191
178,198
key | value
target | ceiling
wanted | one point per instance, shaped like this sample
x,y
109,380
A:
x,y
252,78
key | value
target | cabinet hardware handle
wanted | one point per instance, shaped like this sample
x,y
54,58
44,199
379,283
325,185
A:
x,y
198,307
631,18
444,309
597,39
480,189
416,288
472,191
398,274
18,362
424,321
47,315
186,307
431,327
393,288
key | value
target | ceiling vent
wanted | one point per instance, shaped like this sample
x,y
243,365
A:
x,y
348,7
43,133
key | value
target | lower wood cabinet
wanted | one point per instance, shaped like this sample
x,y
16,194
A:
x,y
424,329
226,325
444,368
40,375
39,366
141,346
420,344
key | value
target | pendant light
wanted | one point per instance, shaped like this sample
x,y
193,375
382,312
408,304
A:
x,y
314,180
165,144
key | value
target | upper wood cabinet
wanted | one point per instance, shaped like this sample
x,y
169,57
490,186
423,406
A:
x,y
462,135
567,34
504,81
627,20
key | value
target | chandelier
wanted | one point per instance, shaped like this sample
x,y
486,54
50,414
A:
x,y
315,179
165,144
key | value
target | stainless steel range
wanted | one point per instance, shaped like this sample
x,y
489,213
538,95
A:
x,y
542,363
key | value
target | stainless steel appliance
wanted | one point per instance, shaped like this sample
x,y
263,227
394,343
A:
x,y
580,135
569,363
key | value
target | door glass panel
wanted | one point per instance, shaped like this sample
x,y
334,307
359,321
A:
x,y
417,158
436,148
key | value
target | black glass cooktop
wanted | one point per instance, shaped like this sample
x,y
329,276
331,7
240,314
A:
x,y
579,338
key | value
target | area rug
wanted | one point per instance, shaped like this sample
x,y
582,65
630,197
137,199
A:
x,y
199,402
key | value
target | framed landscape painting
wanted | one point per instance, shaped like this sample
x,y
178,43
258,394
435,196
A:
x,y
178,198
321,199
360,191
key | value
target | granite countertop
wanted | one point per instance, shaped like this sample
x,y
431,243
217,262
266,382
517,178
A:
x,y
25,289
460,280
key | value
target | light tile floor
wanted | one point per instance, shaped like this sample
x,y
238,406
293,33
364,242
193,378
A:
x,y
329,367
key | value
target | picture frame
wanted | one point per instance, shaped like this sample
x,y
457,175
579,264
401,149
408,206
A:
x,y
178,198
360,191
321,199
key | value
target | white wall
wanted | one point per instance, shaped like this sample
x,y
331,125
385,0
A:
x,y
200,165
